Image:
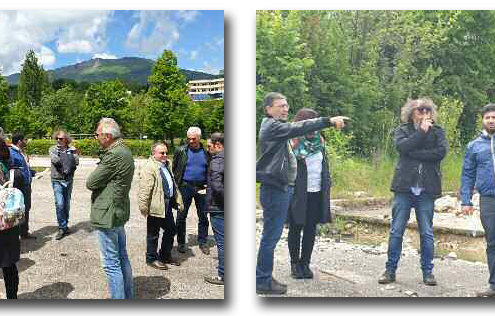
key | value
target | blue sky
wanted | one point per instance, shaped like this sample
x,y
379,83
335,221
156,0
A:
x,y
60,38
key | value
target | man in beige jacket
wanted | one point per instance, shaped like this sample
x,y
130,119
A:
x,y
158,194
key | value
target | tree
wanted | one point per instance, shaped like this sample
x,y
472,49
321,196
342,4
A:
x,y
32,81
105,99
4,100
167,113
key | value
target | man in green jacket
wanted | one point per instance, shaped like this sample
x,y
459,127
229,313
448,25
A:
x,y
110,206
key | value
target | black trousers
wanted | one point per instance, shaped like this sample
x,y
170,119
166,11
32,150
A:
x,y
302,254
11,279
24,226
487,210
153,226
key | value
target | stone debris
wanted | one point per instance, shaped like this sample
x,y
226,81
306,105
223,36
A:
x,y
446,204
452,255
410,293
360,194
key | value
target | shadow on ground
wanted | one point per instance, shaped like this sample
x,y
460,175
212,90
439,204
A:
x,y
58,290
151,287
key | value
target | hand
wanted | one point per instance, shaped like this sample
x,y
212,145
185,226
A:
x,y
467,210
338,121
425,125
203,191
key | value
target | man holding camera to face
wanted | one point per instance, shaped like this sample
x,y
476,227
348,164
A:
x,y
416,183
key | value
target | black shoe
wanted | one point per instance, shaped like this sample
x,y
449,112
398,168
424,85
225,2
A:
x,y
295,271
182,248
173,261
429,279
157,265
275,288
306,271
204,249
60,234
217,280
486,293
28,236
387,277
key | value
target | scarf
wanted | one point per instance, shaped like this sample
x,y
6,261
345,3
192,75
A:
x,y
307,147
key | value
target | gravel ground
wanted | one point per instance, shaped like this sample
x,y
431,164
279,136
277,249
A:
x,y
70,268
344,269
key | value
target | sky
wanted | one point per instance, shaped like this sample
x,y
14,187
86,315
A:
x,y
60,37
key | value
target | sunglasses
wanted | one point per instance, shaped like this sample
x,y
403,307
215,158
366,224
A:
x,y
423,109
59,138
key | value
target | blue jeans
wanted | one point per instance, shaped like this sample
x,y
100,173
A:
x,y
62,191
188,193
487,212
401,210
275,203
217,224
115,262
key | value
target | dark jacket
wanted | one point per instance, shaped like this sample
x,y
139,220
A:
x,y
477,170
214,189
111,183
180,161
420,155
299,202
272,164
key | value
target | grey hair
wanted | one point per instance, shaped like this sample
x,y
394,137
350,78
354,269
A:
x,y
153,148
194,130
408,109
109,126
1,133
270,97
60,131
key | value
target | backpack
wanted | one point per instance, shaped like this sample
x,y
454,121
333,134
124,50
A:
x,y
11,204
68,164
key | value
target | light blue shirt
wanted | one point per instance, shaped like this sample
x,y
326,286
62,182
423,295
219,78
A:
x,y
169,180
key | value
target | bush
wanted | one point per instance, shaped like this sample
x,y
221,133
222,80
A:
x,y
89,147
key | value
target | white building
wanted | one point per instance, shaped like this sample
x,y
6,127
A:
x,y
201,90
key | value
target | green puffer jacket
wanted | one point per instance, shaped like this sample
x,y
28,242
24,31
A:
x,y
111,183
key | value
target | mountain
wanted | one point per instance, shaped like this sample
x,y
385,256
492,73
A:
x,y
130,69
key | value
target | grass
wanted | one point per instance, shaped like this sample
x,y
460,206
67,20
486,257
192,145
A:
x,y
374,176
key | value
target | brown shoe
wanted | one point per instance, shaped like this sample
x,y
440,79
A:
x,y
158,265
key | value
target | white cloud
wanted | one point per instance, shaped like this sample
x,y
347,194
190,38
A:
x,y
188,16
104,56
158,30
194,55
46,57
211,69
78,46
74,31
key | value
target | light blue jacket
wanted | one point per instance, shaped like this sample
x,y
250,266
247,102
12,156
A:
x,y
477,171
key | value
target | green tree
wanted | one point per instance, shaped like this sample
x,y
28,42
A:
x,y
32,81
106,99
4,100
167,113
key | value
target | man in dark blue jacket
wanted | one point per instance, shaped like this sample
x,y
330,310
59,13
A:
x,y
19,160
276,170
478,172
214,202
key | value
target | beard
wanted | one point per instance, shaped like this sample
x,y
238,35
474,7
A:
x,y
489,128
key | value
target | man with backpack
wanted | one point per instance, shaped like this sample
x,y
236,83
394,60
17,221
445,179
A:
x,y
64,161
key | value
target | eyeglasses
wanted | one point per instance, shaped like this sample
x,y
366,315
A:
x,y
164,153
282,106
60,138
423,109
